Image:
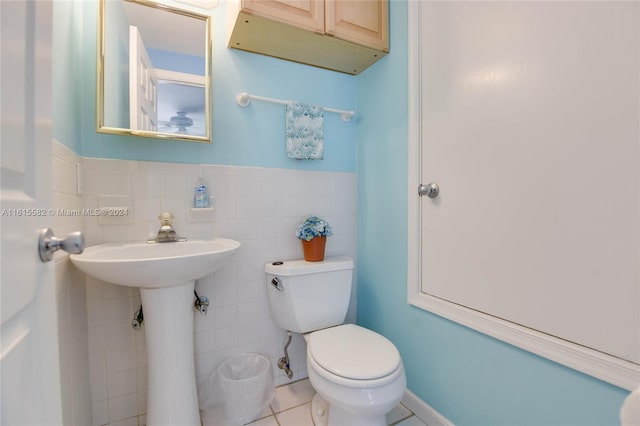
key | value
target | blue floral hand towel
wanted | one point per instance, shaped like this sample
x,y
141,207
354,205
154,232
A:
x,y
305,131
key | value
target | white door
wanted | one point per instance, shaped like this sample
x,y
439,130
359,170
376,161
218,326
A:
x,y
29,357
143,86
530,128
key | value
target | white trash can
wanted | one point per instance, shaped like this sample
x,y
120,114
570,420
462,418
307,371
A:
x,y
246,382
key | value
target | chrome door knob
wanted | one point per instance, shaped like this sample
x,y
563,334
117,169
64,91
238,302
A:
x,y
48,244
431,190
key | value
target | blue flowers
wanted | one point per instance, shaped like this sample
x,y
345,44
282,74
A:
x,y
313,227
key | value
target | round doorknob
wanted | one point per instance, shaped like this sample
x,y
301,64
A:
x,y
431,190
48,244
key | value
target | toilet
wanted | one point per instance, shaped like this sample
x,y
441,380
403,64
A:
x,y
358,374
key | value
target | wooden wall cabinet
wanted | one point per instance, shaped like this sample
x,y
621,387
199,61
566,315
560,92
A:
x,y
340,35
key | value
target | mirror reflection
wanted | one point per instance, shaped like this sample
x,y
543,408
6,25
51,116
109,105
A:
x,y
154,68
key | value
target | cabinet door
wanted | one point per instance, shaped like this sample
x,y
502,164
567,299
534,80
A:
x,y
307,14
364,22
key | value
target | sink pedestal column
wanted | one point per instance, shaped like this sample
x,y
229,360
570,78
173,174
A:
x,y
172,397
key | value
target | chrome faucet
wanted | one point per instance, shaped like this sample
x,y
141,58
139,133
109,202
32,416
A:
x,y
166,233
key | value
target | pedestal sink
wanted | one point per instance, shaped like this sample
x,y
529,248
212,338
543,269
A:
x,y
165,273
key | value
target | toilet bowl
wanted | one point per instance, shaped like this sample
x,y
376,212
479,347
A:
x,y
357,373
358,376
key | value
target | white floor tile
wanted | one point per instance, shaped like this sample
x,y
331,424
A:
x,y
298,416
292,395
267,421
292,405
411,421
215,417
399,413
265,413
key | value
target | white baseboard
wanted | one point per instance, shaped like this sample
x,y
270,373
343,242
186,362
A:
x,y
424,411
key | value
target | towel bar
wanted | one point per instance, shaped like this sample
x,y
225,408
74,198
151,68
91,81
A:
x,y
244,99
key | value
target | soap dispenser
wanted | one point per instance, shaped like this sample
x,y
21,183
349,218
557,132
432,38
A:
x,y
201,194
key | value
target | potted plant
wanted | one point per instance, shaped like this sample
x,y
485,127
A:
x,y
313,233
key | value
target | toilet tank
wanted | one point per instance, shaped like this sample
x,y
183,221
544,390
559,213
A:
x,y
307,296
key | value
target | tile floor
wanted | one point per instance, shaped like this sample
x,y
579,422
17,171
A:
x,y
292,407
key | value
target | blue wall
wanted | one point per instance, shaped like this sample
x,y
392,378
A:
x,y
67,24
252,136
468,377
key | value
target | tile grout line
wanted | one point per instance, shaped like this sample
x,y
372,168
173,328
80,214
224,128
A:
x,y
311,415
402,419
274,415
290,408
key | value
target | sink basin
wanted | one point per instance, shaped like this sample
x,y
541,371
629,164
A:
x,y
155,265
165,274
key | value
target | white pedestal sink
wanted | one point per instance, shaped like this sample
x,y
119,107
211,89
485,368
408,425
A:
x,y
165,274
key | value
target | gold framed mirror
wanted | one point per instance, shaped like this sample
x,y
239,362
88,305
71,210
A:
x,y
154,71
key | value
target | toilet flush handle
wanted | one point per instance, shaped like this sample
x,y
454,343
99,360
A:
x,y
277,283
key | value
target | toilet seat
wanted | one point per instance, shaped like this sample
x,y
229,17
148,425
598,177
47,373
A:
x,y
354,356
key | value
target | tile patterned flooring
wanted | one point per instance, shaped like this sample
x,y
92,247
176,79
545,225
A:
x,y
292,407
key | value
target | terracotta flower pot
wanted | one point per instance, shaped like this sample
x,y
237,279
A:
x,y
314,249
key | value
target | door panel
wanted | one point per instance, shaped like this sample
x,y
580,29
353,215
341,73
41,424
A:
x,y
308,14
29,357
143,85
362,22
531,129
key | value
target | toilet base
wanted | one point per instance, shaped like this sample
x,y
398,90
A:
x,y
324,415
319,411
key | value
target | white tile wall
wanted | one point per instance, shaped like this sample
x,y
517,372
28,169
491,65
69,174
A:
x,y
71,295
259,207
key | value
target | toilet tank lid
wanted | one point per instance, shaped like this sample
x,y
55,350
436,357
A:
x,y
301,267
